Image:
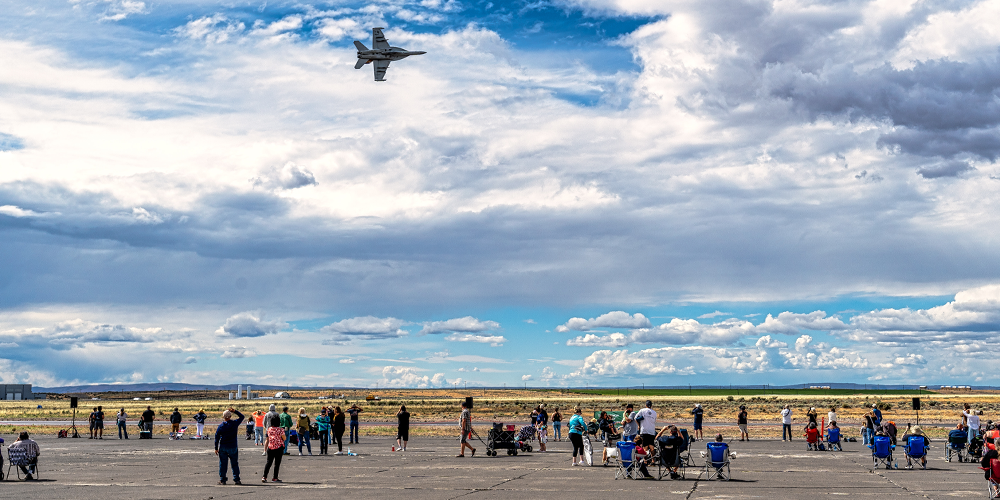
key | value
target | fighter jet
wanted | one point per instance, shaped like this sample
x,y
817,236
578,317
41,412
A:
x,y
381,53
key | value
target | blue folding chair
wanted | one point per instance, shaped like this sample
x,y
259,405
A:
x,y
833,439
881,452
915,449
717,461
627,467
957,441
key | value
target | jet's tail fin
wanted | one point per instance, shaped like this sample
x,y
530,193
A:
x,y
360,46
360,63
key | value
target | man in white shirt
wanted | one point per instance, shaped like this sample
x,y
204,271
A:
x,y
647,425
832,416
786,423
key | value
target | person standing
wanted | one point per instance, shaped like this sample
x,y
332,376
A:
x,y
175,422
403,429
226,445
699,415
813,416
576,429
741,422
353,412
258,428
831,416
274,445
630,428
323,426
31,450
286,424
465,425
868,431
93,426
122,418
338,429
786,423
876,415
647,426
199,421
147,419
543,428
271,412
99,422
303,427
557,425
972,420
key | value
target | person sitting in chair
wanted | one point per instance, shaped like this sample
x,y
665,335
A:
x,y
916,432
31,450
812,436
642,458
672,442
989,455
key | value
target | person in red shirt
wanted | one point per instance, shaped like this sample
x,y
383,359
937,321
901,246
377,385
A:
x,y
812,436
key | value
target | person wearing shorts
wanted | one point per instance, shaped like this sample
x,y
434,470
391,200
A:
x,y
741,421
99,422
647,426
465,423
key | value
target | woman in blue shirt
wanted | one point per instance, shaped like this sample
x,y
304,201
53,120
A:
x,y
576,429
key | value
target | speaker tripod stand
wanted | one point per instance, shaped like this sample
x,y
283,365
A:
x,y
73,427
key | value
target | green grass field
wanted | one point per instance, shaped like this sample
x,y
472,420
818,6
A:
x,y
744,392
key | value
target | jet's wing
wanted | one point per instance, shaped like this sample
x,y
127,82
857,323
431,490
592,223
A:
x,y
380,66
378,39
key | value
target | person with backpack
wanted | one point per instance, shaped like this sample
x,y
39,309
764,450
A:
x,y
99,422
93,427
576,429
175,422
303,426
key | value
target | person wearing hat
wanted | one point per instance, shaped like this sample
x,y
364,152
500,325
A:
x,y
786,423
226,445
741,422
916,432
699,415
813,416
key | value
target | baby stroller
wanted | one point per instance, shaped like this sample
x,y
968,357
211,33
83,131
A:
x,y
833,439
499,439
976,449
524,438
881,452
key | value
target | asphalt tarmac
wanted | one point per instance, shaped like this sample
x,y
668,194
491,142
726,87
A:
x,y
82,469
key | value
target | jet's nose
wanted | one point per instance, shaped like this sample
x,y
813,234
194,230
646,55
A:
x,y
417,53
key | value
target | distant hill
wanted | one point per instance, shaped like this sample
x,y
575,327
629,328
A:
x,y
170,386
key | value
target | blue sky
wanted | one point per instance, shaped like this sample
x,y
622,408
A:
x,y
585,192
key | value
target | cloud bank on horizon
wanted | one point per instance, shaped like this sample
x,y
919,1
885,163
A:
x,y
575,192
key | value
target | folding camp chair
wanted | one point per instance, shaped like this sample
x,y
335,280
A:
x,y
627,466
881,452
833,439
717,461
684,454
957,442
915,449
667,459
18,457
993,483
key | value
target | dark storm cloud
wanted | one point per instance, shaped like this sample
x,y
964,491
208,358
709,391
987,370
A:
x,y
945,169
